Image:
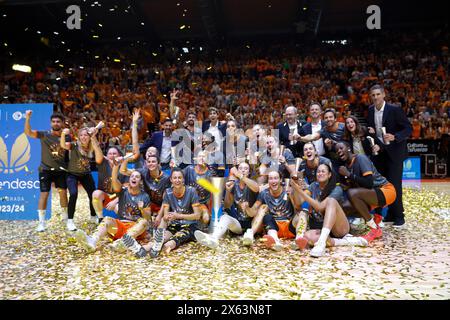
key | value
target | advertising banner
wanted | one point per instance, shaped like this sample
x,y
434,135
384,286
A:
x,y
20,157
411,168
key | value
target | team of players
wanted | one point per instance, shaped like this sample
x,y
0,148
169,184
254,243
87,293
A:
x,y
273,194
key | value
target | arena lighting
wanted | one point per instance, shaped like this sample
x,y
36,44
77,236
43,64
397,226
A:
x,y
185,50
21,68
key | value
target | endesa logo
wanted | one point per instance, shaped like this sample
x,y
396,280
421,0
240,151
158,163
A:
x,y
19,184
20,155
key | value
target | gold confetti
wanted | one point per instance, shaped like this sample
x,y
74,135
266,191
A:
x,y
411,263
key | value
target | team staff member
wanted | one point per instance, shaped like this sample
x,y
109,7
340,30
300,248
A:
x,y
289,130
53,165
331,134
394,151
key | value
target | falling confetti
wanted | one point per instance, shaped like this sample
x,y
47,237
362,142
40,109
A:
x,y
411,263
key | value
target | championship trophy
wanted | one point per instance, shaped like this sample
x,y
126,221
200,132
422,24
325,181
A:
x,y
286,187
291,132
372,143
216,210
383,130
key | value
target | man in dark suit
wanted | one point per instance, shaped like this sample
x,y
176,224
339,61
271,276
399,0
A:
x,y
391,126
163,141
213,123
290,129
316,124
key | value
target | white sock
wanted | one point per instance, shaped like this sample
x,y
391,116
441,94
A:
x,y
65,213
273,234
340,242
250,232
221,227
41,214
69,220
323,237
371,223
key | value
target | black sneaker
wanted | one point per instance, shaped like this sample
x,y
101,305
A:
x,y
158,243
134,246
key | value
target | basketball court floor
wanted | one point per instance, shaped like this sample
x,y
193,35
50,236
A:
x,y
410,263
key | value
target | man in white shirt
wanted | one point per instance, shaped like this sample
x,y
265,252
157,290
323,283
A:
x,y
290,129
316,124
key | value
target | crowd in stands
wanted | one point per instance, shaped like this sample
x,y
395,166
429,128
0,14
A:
x,y
253,85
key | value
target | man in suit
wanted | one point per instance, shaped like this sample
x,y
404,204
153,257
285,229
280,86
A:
x,y
290,129
163,141
392,128
214,126
316,124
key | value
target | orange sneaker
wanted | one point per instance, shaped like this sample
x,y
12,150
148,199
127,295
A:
x,y
377,218
373,234
301,243
271,243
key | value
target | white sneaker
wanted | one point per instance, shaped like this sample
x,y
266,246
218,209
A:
x,y
381,224
206,239
64,217
88,243
41,226
277,246
94,219
317,251
70,225
355,241
118,246
247,239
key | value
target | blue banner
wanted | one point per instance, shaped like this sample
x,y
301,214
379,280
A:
x,y
411,168
20,157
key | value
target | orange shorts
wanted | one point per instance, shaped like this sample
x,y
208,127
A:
x,y
123,227
389,193
108,199
283,229
155,208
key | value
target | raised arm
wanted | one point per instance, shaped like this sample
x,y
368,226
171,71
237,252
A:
x,y
63,143
173,109
124,168
95,144
134,134
116,185
229,197
253,185
27,129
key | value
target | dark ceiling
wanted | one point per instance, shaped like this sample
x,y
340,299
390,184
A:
x,y
211,20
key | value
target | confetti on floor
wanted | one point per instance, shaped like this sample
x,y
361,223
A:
x,y
412,263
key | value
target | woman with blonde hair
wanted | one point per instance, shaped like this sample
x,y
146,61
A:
x,y
79,169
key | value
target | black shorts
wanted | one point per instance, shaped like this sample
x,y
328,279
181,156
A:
x,y
245,223
46,178
182,233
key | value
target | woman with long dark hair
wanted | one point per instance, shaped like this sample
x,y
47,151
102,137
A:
x,y
325,216
357,137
